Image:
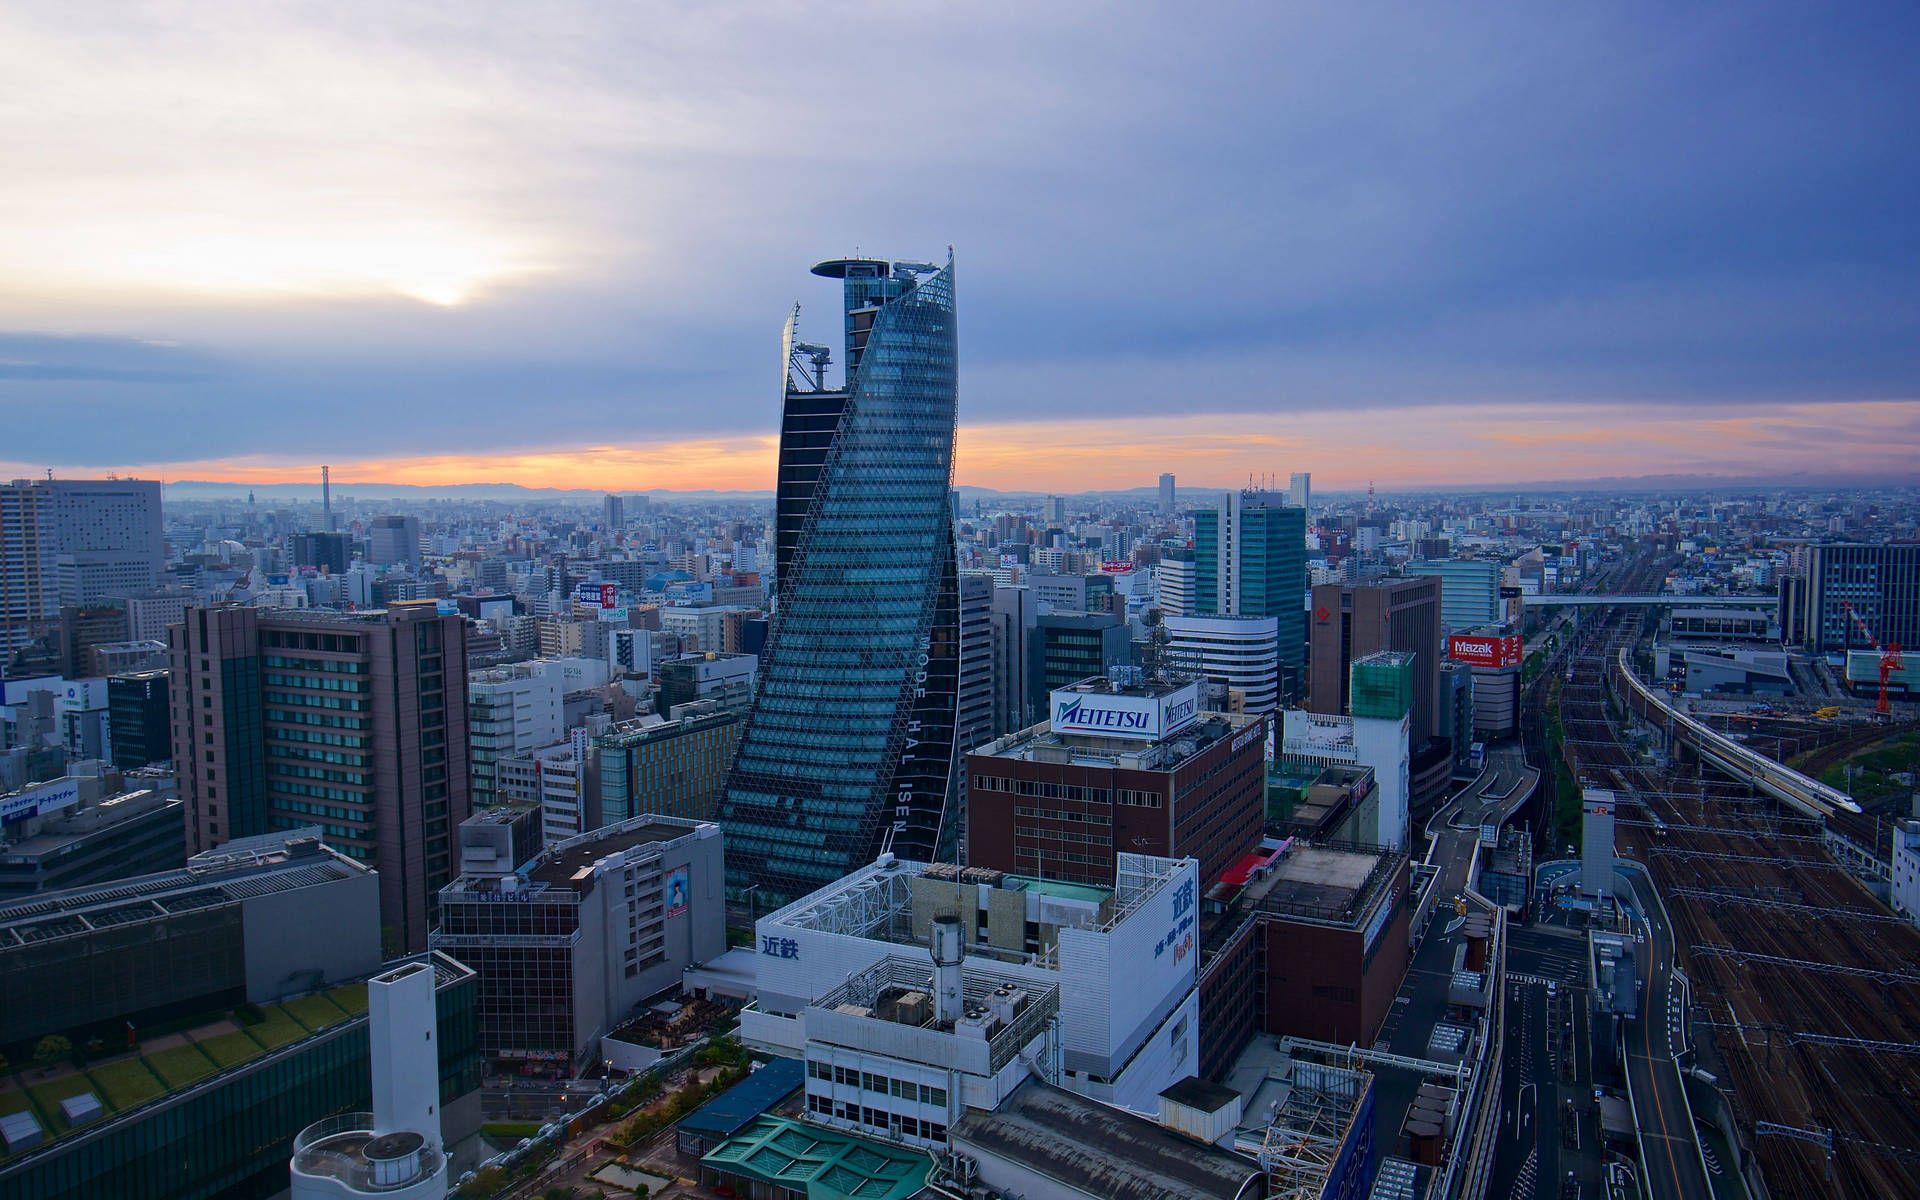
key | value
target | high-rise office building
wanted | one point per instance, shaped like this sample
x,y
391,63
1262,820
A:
x,y
973,722
1351,622
394,540
1064,648
1300,489
1166,493
83,627
1014,613
1250,560
77,542
326,550
1880,584
1173,581
614,515
849,749
138,716
29,595
678,768
1053,511
355,722
1469,591
510,709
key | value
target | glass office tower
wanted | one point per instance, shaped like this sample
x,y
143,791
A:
x,y
849,749
1250,560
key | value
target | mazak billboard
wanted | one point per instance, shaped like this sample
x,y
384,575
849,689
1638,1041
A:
x,y
1104,714
1504,651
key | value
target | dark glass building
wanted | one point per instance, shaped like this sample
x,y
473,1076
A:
x,y
139,715
849,748
1878,584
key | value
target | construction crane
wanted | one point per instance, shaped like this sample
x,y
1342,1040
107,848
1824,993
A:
x,y
1890,660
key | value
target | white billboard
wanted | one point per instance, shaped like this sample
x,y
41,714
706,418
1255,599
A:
x,y
34,801
1144,718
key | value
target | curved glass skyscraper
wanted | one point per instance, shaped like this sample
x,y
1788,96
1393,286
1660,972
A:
x,y
849,749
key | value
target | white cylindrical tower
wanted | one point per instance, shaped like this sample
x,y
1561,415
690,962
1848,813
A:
x,y
949,947
393,1151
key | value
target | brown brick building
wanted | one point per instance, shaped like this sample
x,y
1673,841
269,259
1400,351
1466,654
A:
x,y
1059,803
1304,941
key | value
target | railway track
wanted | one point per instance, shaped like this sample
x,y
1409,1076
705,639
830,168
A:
x,y
1747,876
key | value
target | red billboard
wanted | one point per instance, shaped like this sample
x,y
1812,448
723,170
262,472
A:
x,y
1485,651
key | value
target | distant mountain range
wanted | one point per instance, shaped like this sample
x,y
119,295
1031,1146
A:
x,y
304,491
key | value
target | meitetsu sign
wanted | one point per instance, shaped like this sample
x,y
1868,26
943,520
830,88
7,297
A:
x,y
1105,714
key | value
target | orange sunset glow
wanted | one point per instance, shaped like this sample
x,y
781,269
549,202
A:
x,y
1393,448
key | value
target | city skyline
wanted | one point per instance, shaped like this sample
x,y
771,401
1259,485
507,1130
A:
x,y
1428,250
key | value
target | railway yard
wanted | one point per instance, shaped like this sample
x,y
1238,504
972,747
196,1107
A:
x,y
1807,986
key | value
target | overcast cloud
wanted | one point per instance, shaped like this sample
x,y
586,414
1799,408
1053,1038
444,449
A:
x,y
379,230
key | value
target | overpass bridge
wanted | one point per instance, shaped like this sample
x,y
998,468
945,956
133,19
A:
x,y
1648,600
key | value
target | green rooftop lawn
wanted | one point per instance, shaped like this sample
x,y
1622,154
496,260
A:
x,y
351,997
181,1065
127,1083
277,1029
13,1099
315,1012
229,1049
51,1094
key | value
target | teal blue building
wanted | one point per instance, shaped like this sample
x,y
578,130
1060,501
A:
x,y
849,747
1250,560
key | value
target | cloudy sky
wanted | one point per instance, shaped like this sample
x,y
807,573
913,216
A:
x,y
553,244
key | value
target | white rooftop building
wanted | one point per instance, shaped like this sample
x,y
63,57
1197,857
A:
x,y
1378,742
1124,973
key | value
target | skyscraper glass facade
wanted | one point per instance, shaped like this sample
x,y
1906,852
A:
x,y
849,748
1250,560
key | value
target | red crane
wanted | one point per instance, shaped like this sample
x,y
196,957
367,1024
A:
x,y
1890,660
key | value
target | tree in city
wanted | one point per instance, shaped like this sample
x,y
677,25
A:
x,y
52,1050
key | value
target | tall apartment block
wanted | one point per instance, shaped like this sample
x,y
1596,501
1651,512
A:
x,y
1166,493
1250,560
849,749
74,541
355,722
